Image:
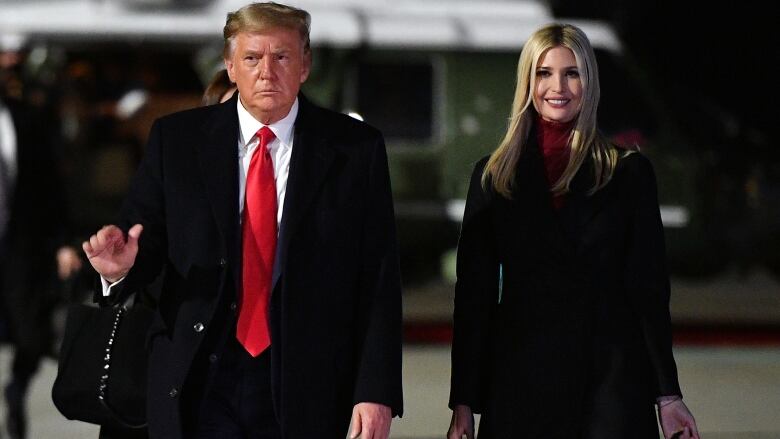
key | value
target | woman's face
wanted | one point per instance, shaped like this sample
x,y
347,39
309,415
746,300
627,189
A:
x,y
558,89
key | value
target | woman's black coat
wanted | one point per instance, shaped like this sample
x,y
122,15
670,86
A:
x,y
562,325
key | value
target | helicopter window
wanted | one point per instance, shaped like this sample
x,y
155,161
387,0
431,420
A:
x,y
397,98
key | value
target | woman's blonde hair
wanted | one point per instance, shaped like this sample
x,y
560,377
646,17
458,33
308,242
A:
x,y
585,138
217,89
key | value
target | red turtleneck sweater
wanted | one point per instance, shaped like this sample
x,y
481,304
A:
x,y
553,139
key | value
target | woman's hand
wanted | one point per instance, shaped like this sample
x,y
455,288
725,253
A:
x,y
462,423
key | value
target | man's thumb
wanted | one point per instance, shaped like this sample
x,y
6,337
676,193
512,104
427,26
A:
x,y
356,425
133,234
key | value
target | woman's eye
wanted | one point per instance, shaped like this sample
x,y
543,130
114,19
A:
x,y
573,74
543,73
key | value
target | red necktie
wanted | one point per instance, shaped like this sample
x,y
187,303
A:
x,y
258,243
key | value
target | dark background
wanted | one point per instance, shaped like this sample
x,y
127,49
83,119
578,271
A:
x,y
713,64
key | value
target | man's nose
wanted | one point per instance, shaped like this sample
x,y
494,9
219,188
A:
x,y
266,68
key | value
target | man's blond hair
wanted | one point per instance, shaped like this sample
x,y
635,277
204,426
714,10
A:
x,y
257,17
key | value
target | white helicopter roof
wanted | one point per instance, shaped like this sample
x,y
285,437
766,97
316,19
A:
x,y
437,24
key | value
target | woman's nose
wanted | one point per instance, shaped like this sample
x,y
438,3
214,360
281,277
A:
x,y
560,84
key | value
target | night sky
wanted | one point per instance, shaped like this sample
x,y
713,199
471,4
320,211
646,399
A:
x,y
713,66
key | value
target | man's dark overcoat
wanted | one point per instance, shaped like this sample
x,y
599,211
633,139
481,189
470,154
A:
x,y
335,311
562,326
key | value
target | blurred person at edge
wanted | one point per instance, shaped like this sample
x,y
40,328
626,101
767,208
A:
x,y
328,348
219,89
33,253
561,321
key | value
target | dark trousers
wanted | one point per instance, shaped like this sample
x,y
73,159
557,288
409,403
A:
x,y
238,404
26,304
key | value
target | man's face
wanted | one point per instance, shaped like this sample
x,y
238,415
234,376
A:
x,y
268,68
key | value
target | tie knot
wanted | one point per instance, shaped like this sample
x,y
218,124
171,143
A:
x,y
266,136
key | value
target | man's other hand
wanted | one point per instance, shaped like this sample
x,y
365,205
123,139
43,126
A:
x,y
677,421
370,421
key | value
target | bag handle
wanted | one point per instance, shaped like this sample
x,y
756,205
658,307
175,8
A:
x,y
103,393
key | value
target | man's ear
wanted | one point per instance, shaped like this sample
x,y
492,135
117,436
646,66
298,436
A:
x,y
229,67
306,66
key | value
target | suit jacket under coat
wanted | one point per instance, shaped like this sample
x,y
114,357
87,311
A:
x,y
562,326
335,311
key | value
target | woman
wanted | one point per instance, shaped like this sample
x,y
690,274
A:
x,y
219,89
562,325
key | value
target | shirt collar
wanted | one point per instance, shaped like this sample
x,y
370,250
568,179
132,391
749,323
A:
x,y
283,129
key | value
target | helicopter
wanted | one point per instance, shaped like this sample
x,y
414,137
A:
x,y
437,78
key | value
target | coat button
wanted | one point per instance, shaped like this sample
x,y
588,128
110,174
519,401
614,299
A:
x,y
173,393
198,327
222,262
213,358
232,306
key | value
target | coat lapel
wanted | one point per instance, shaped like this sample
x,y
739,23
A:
x,y
533,183
218,160
568,225
311,159
534,191
580,207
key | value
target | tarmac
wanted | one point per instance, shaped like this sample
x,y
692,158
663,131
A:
x,y
731,384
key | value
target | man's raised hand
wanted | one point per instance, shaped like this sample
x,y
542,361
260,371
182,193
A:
x,y
110,254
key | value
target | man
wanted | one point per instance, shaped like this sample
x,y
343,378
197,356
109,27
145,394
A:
x,y
300,211
31,228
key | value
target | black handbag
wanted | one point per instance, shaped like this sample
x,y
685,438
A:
x,y
102,371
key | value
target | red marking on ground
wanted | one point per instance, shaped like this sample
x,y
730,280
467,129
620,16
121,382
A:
x,y
683,335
